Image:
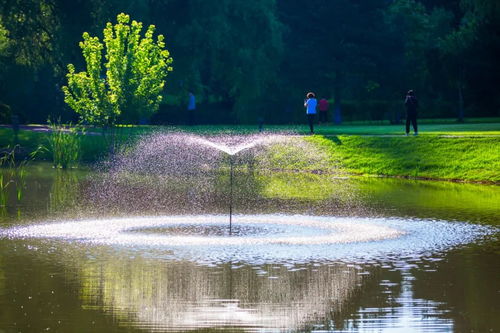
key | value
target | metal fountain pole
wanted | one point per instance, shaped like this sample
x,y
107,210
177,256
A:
x,y
231,196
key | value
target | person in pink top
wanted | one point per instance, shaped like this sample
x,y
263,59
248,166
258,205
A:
x,y
323,110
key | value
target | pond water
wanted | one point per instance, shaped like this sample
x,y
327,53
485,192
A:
x,y
83,252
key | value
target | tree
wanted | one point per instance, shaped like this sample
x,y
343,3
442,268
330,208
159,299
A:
x,y
228,51
32,26
4,46
337,47
128,87
471,51
4,40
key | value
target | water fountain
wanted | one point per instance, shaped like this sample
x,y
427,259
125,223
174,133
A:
x,y
152,245
259,237
231,151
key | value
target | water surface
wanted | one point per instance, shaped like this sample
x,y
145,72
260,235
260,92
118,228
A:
x,y
431,265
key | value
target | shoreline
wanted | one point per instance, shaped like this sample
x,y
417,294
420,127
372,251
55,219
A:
x,y
468,158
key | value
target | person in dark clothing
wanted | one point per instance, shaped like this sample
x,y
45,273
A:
x,y
411,104
260,120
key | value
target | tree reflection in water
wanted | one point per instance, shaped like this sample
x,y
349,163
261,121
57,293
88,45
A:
x,y
182,295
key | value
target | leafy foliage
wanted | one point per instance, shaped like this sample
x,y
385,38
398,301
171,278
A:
x,y
237,46
4,39
135,70
250,59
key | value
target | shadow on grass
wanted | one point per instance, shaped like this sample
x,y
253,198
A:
x,y
335,139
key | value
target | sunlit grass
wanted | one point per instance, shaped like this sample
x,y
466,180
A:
x,y
476,159
465,129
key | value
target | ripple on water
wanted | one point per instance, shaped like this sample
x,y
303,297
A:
x,y
265,238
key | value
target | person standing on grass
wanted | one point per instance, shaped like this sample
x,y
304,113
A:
x,y
310,104
411,104
191,108
323,110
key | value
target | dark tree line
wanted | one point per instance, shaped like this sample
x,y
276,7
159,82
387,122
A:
x,y
255,59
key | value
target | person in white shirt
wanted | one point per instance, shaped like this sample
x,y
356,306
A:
x,y
310,104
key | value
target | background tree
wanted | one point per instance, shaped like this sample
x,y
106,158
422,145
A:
x,y
419,32
337,48
228,51
4,40
245,59
470,51
135,70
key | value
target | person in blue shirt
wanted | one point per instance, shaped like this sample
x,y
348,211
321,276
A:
x,y
310,104
191,108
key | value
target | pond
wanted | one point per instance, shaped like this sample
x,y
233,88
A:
x,y
83,251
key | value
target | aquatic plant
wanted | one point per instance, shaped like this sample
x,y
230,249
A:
x,y
3,195
16,173
64,144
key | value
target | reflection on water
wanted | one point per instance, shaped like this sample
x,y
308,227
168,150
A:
x,y
83,193
64,192
54,285
181,295
96,283
410,315
469,202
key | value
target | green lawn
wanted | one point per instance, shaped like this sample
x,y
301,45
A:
x,y
457,158
464,129
424,129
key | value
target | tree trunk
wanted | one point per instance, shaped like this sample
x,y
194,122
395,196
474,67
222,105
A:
x,y
460,88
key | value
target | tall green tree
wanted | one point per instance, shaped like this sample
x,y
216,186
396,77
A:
x,y
249,57
419,31
470,51
128,85
336,47
227,51
32,26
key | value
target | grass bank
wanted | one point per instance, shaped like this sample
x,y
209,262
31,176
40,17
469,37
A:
x,y
434,157
449,151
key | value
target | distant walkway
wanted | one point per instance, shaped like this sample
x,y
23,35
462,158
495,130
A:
x,y
34,128
42,129
443,134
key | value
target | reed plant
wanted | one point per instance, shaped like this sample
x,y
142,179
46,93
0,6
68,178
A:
x,y
8,160
64,144
16,172
4,184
